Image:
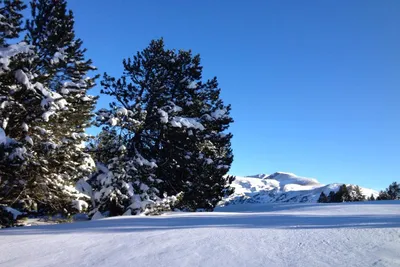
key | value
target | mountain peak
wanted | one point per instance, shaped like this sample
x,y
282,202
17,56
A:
x,y
281,187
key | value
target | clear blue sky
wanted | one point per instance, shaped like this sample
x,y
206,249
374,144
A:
x,y
314,85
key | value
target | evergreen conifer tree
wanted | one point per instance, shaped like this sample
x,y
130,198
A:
x,y
104,146
331,197
357,194
173,128
26,105
323,198
60,65
383,195
393,191
342,195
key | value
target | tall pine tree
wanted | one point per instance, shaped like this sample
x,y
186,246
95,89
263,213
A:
x,y
168,116
61,66
50,126
356,194
26,105
62,59
393,191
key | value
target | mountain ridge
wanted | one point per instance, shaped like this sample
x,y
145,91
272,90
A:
x,y
282,187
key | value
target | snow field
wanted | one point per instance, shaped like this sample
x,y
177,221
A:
x,y
348,234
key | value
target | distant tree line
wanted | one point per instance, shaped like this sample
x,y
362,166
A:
x,y
390,193
342,195
354,193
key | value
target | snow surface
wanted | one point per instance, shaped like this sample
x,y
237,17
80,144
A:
x,y
281,187
307,234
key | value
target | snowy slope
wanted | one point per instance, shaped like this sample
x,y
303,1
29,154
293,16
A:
x,y
281,187
274,235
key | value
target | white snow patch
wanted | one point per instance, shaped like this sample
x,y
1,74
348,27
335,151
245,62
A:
x,y
192,85
180,122
163,116
46,115
80,205
29,140
113,121
122,111
219,113
23,78
25,127
6,53
58,56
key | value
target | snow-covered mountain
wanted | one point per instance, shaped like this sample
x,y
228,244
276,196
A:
x,y
281,187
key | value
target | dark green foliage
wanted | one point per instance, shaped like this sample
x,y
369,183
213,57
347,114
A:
x,y
371,198
11,19
391,193
105,146
62,67
331,196
166,132
47,109
323,198
383,195
18,105
6,218
356,194
344,194
165,113
229,190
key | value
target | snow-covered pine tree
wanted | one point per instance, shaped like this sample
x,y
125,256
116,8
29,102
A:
x,y
342,195
124,182
356,194
11,56
168,116
10,20
62,67
25,108
107,145
383,195
194,152
103,146
393,191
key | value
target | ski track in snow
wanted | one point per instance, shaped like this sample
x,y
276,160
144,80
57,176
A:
x,y
348,234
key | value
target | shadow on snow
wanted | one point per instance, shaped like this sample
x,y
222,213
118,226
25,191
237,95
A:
x,y
247,220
